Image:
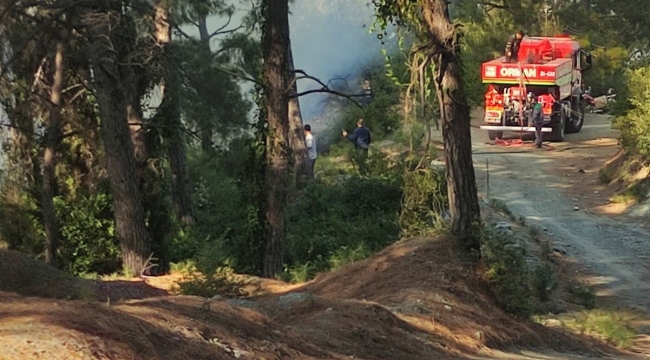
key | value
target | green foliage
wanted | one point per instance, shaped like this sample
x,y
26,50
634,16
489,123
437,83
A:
x,y
585,295
20,224
608,69
225,219
544,282
381,115
424,201
499,205
507,273
89,244
221,281
205,82
605,175
611,325
332,224
481,42
346,255
635,124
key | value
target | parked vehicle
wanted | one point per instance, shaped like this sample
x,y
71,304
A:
x,y
598,104
552,70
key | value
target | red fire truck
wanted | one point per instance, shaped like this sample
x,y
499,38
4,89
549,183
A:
x,y
548,68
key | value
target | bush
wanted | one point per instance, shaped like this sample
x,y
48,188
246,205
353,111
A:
x,y
221,282
380,115
341,222
87,244
507,273
635,124
424,202
20,224
88,231
585,295
224,232
544,282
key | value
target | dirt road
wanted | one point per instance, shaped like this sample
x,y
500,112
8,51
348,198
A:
x,y
553,189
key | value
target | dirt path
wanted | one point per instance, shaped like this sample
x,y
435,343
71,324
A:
x,y
548,188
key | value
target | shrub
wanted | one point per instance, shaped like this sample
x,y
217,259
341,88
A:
x,y
424,201
88,230
544,282
507,273
20,224
635,123
585,295
222,282
332,224
226,221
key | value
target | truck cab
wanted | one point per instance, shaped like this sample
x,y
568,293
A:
x,y
551,68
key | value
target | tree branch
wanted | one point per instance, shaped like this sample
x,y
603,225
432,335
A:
x,y
325,89
216,32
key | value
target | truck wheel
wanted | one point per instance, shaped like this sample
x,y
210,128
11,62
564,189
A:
x,y
577,119
493,135
559,129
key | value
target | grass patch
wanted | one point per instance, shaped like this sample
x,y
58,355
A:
x,y
609,325
183,267
637,192
622,198
501,207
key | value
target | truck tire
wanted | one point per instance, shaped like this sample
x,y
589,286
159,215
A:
x,y
577,119
493,134
559,128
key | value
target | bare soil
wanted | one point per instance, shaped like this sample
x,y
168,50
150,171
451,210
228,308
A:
x,y
419,299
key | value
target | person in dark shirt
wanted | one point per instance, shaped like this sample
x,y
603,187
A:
x,y
361,139
512,46
537,119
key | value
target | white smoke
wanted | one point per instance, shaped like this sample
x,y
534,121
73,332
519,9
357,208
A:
x,y
331,39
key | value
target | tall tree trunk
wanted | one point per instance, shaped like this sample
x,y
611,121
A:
x,y
171,114
207,130
204,35
136,127
461,181
275,47
299,150
50,221
118,147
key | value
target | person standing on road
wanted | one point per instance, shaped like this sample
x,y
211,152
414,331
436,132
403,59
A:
x,y
310,143
537,119
361,139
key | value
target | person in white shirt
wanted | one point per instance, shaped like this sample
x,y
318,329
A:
x,y
310,142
